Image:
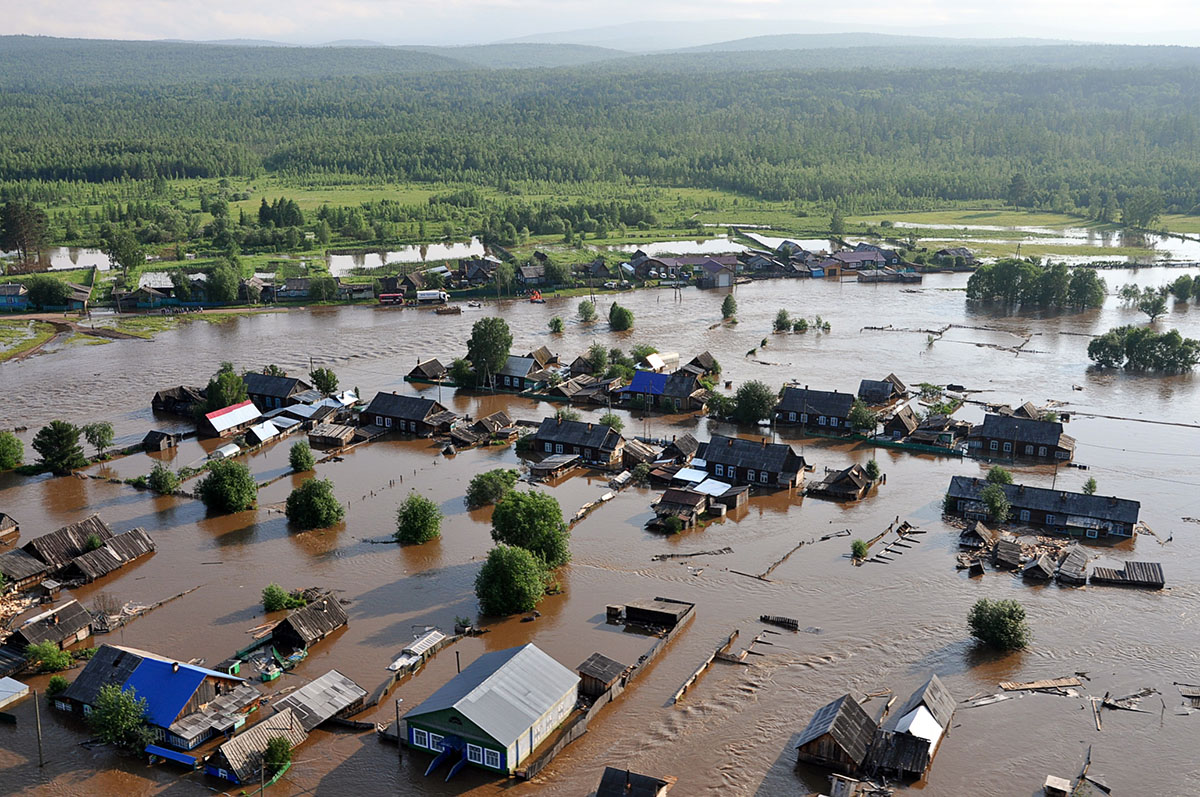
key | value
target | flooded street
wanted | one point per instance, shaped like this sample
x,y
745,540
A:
x,y
880,625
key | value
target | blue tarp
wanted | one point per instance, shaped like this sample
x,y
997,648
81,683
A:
x,y
647,382
163,752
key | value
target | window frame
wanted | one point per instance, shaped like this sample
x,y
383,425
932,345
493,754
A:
x,y
435,742
420,738
489,755
474,753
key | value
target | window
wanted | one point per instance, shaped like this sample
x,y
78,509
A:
x,y
549,447
821,420
379,420
995,444
1042,451
720,470
435,742
1093,533
474,753
1050,520
750,475
558,448
387,421
1025,515
804,417
762,477
791,416
1008,448
587,453
492,758
1029,450
833,421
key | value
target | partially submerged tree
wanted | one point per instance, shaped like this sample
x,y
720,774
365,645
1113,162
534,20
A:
x,y
324,380
729,307
587,311
488,347
620,318
12,450
58,445
162,479
862,418
753,402
783,321
491,486
556,325
313,505
277,756
99,435
300,457
225,389
997,504
533,521
47,657
511,580
276,598
999,624
613,421
228,487
119,717
859,549
871,469
998,475
418,520
1089,487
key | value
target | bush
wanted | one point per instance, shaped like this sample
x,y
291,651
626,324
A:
x,y
461,373
301,458
56,686
998,475
587,311
277,755
418,520
275,598
753,402
859,549
556,325
533,521
613,421
313,505
640,472
489,487
46,657
162,480
511,580
58,445
999,624
12,450
228,487
729,307
672,525
861,417
620,318
93,542
783,321
872,470
566,414
1089,487
119,717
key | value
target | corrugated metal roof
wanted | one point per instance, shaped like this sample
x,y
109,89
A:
x,y
323,698
647,382
263,431
712,487
232,416
690,475
504,692
167,687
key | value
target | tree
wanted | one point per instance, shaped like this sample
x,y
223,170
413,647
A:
x,y
222,284
783,321
99,436
119,717
566,414
488,347
418,520
620,318
729,307
533,521
324,380
871,469
999,624
1020,193
323,288
1089,487
1142,207
1142,349
491,486
613,421
56,686
558,273
753,402
276,598
640,472
47,657
123,250
837,223
998,475
556,325
313,505
597,358
24,228
273,370
225,389
511,580
461,373
323,232
228,487
1153,304
1183,287
1086,289
859,549
672,525
861,417
277,756
996,501
12,450
162,479
58,445
587,311
300,457
503,276
46,291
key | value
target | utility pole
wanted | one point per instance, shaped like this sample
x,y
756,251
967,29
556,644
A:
x,y
399,747
37,716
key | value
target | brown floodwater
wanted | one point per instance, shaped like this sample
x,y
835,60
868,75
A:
x,y
734,733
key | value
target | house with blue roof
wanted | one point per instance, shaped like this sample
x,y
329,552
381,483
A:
x,y
677,392
186,705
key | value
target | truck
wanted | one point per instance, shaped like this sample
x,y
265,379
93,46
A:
x,y
432,297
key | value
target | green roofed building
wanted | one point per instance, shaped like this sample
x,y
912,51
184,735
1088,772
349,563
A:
x,y
495,712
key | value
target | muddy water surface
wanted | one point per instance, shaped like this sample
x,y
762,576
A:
x,y
880,625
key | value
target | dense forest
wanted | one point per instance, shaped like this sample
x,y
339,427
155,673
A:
x,y
1069,134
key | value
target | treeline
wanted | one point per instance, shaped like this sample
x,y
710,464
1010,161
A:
x,y
869,139
1031,284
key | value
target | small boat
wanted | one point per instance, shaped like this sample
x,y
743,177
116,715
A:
x,y
474,304
537,301
452,309
536,298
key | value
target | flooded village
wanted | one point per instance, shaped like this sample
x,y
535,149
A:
x,y
761,608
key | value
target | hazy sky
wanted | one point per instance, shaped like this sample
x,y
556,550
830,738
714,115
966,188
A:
x,y
470,21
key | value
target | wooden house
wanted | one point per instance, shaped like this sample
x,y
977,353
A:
x,y
543,357
1072,566
616,782
409,414
906,742
849,484
331,695
837,737
8,526
156,440
186,705
110,557
59,547
941,431
598,674
309,624
686,505
1132,574
902,423
182,400
1015,436
495,712
531,276
519,374
269,392
427,371
820,410
331,435
14,297
21,571
1040,568
230,421
1007,554
739,461
61,626
242,758
976,535
681,449
581,365
596,443
1076,514
702,365
882,391
953,253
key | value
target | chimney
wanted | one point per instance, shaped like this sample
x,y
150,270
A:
x,y
175,667
764,442
730,443
589,427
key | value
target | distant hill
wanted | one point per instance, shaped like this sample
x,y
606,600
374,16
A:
x,y
814,41
521,56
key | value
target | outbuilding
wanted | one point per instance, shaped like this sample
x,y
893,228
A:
x,y
838,736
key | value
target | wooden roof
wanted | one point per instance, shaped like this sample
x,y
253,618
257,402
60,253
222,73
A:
x,y
617,782
602,668
844,719
244,752
934,696
17,565
54,625
116,553
59,547
316,620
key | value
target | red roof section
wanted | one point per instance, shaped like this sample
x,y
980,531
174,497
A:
x,y
230,408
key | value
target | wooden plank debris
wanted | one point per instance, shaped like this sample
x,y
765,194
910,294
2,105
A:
x,y
1049,683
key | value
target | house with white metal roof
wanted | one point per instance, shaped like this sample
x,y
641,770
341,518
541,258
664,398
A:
x,y
230,420
495,712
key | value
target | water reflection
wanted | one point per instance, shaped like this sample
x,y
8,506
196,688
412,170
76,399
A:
x,y
340,265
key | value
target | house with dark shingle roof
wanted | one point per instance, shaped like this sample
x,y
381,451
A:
x,y
1077,514
740,461
268,391
882,391
815,409
1014,436
902,423
427,371
520,374
838,736
596,443
409,414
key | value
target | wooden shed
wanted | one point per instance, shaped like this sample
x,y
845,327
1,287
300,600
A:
x,y
9,527
156,440
1008,554
112,556
331,435
310,624
598,674
58,548
20,570
658,613
63,626
838,736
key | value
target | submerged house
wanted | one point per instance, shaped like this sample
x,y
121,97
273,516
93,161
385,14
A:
x,y
427,371
902,423
617,782
1016,436
882,391
20,570
61,626
410,414
764,464
58,548
117,552
681,449
269,392
241,759
838,736
186,705
1077,514
849,484
309,624
230,421
495,712
906,742
181,400
685,505
596,443
331,695
815,409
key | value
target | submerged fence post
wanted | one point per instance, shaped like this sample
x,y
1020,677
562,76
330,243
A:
x,y
37,718
399,747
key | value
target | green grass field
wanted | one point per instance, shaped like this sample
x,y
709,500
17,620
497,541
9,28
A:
x,y
18,336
